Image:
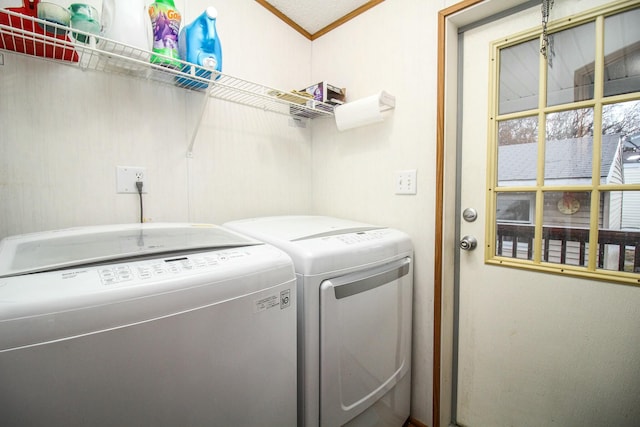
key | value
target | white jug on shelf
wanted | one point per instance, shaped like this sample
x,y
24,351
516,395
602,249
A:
x,y
126,21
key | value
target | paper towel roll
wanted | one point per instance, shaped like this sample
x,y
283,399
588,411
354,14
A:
x,y
362,112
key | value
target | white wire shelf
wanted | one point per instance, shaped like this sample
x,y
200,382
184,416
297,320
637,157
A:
x,y
26,35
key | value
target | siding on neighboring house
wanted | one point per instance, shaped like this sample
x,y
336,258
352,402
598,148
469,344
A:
x,y
631,212
612,213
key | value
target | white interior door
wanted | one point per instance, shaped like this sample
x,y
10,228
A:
x,y
535,349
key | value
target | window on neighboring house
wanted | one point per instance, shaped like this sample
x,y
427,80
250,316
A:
x,y
564,182
515,207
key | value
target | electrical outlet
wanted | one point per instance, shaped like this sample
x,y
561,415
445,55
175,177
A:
x,y
406,182
126,178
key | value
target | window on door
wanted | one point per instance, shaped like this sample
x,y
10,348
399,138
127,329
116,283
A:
x,y
564,173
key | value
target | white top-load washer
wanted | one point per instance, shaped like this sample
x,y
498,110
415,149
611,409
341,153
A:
x,y
146,325
355,284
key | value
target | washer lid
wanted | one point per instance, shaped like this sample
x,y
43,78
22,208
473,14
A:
x,y
50,250
301,227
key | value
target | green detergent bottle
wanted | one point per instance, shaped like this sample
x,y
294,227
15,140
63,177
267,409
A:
x,y
165,22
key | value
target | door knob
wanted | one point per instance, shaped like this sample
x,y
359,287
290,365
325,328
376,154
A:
x,y
470,214
468,243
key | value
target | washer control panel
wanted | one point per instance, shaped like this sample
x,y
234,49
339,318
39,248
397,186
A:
x,y
160,268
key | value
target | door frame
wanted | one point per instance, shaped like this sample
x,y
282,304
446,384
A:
x,y
440,381
464,14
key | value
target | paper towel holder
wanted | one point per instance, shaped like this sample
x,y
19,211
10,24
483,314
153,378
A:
x,y
364,111
387,101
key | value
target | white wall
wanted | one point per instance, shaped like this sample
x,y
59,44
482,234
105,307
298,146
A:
x,y
390,47
63,131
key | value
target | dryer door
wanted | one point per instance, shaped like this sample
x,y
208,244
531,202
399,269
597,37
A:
x,y
365,343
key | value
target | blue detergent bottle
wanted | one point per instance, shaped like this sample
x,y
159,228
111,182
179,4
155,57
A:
x,y
199,44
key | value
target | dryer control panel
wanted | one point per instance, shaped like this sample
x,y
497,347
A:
x,y
361,236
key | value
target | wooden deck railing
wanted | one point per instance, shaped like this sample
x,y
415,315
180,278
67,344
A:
x,y
515,239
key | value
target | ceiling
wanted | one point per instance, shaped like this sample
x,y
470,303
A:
x,y
313,18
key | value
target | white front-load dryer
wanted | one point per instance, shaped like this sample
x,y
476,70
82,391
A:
x,y
146,325
355,285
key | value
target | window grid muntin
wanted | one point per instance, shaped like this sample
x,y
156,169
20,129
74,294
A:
x,y
597,15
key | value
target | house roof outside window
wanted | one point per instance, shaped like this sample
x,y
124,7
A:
x,y
568,161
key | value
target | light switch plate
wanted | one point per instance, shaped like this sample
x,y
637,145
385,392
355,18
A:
x,y
406,181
